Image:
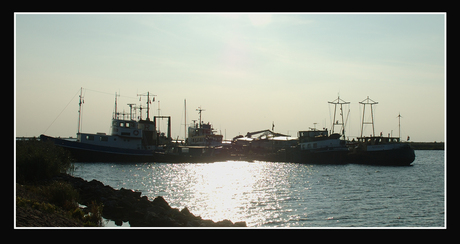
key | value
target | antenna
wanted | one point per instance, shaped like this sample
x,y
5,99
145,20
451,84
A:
x,y
140,112
185,119
115,113
370,102
335,123
79,109
148,102
399,124
131,110
199,109
159,128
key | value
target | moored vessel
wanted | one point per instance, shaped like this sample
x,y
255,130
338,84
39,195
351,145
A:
x,y
203,134
318,147
201,145
131,140
324,147
267,146
379,150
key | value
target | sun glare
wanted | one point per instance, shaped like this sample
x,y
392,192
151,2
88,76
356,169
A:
x,y
222,189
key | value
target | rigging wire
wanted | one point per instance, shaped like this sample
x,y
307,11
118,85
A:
x,y
85,89
61,111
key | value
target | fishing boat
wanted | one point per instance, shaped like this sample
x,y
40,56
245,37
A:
x,y
131,139
322,146
379,150
203,134
201,145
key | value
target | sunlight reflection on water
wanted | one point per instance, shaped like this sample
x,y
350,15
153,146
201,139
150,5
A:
x,y
239,191
269,194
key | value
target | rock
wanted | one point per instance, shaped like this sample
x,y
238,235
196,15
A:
x,y
240,224
224,223
143,202
186,212
161,202
207,223
128,205
130,193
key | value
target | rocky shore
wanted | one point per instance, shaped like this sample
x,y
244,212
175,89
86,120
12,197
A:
x,y
127,205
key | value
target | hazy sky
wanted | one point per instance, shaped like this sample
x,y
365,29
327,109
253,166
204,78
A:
x,y
245,70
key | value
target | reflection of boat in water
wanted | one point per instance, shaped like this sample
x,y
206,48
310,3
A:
x,y
379,150
130,141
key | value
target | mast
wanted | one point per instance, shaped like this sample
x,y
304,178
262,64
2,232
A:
x,y
185,120
335,123
199,112
159,128
79,109
115,113
399,124
368,102
131,110
148,103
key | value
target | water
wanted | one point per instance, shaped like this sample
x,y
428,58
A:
x,y
266,194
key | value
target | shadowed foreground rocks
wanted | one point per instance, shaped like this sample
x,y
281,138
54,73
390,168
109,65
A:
x,y
127,205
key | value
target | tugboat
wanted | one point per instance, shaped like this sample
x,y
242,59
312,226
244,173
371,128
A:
x,y
130,141
379,150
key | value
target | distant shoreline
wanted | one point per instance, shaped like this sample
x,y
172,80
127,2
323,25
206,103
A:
x,y
427,145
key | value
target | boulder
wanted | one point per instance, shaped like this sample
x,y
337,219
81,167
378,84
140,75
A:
x,y
161,202
128,205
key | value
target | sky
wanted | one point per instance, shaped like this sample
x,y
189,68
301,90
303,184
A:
x,y
246,70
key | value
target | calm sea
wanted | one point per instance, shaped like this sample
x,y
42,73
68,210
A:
x,y
267,194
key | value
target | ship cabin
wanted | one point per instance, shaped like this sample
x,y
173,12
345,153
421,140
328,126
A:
x,y
203,135
125,134
126,128
319,139
376,140
375,143
312,135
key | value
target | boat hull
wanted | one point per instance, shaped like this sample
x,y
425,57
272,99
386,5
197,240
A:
x,y
83,152
336,156
402,156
